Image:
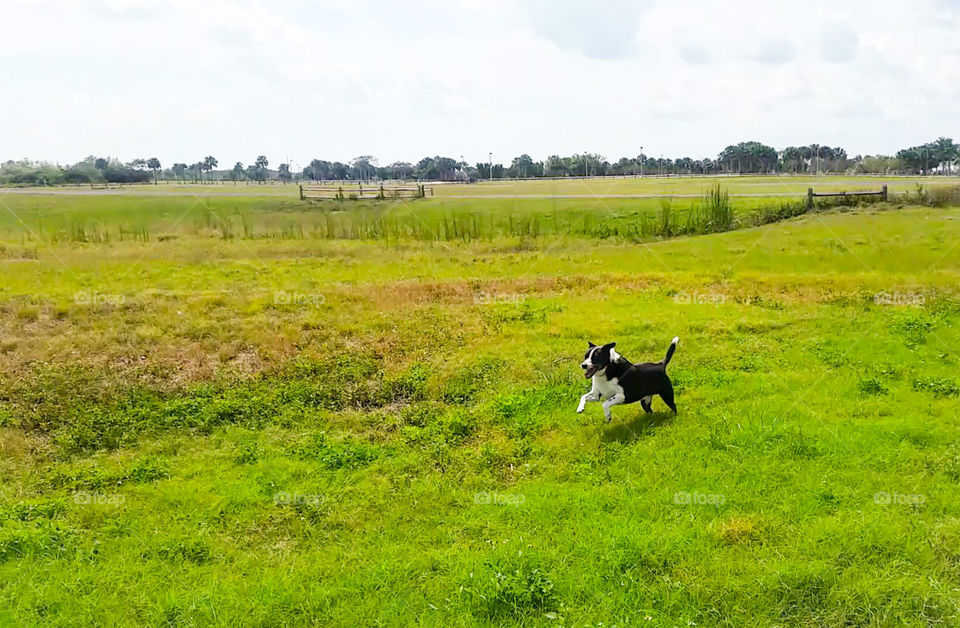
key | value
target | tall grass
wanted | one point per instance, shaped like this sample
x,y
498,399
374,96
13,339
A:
x,y
389,221
82,230
935,196
666,217
717,204
714,213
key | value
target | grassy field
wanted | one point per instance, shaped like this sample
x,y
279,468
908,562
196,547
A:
x,y
681,187
216,411
34,219
785,185
666,207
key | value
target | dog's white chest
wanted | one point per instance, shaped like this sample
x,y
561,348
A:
x,y
606,387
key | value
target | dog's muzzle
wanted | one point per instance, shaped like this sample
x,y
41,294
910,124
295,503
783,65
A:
x,y
589,370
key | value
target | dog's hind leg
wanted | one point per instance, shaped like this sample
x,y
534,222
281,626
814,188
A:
x,y
615,400
645,402
667,395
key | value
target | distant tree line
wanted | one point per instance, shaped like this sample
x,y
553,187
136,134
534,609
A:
x,y
90,170
142,170
941,156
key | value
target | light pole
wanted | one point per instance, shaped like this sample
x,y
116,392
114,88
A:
x,y
490,155
641,162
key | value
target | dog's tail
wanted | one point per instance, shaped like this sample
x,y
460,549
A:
x,y
673,347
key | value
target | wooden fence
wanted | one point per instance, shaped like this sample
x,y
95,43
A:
x,y
361,192
810,195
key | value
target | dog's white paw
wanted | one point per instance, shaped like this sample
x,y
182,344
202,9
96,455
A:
x,y
580,410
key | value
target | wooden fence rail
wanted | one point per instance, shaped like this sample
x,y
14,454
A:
x,y
810,195
359,192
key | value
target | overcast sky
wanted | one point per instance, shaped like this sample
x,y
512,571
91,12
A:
x,y
400,80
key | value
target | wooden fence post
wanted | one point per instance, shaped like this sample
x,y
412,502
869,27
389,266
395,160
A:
x,y
884,195
809,198
301,192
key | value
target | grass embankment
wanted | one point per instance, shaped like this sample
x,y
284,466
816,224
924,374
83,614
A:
x,y
265,430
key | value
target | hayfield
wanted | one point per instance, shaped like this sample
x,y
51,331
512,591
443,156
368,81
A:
x,y
619,209
219,410
577,187
691,186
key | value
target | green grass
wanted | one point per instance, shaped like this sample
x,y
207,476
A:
x,y
30,219
279,431
788,185
683,186
705,206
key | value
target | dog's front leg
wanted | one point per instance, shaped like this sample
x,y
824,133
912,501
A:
x,y
593,395
615,400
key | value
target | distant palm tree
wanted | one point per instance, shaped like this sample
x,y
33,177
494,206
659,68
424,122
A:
x,y
946,151
208,164
179,170
260,168
154,164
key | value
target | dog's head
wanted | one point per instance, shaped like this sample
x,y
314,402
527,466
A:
x,y
596,359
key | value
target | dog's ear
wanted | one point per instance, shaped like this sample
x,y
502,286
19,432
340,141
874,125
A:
x,y
590,345
610,345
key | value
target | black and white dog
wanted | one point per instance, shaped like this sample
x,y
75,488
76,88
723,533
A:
x,y
616,380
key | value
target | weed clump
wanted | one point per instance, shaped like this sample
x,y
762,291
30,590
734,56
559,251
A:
x,y
939,387
48,539
511,589
193,551
344,454
872,387
466,382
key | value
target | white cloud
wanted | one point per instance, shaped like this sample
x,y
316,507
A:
x,y
838,43
599,29
776,52
236,78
